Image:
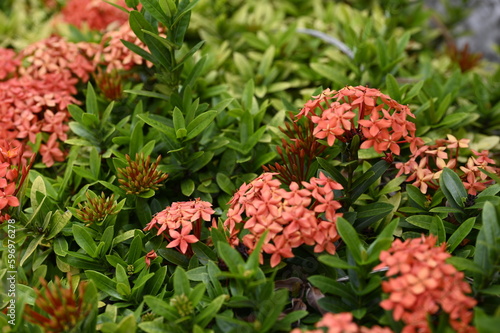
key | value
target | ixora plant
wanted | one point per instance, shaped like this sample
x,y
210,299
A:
x,y
150,181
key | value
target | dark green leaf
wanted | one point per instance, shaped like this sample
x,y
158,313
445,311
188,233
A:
x,y
350,236
85,240
161,308
104,283
199,124
453,188
459,235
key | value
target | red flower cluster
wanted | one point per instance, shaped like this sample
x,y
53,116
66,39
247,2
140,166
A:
x,y
291,216
41,80
8,63
96,14
421,283
58,56
357,111
114,55
181,223
427,163
341,323
13,172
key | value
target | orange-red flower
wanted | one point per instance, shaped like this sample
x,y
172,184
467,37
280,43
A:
x,y
421,283
341,323
178,221
300,215
386,127
151,255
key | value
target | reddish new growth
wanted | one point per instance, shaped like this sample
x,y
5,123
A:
x,y
380,121
421,283
341,323
96,14
298,153
13,172
64,308
300,215
428,161
181,223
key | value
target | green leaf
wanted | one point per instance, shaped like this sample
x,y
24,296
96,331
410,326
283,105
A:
x,y
230,256
91,100
127,325
208,313
225,183
330,286
178,119
350,236
161,308
181,282
76,112
459,235
31,248
437,229
154,8
174,257
122,281
197,294
463,264
165,129
104,283
453,188
371,213
382,242
203,251
138,23
393,87
59,221
187,187
123,237
159,51
443,107
421,221
135,250
416,196
414,91
335,262
331,73
147,94
154,327
199,124
85,240
359,187
274,308
60,246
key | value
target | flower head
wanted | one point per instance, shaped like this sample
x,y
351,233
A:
x,y
421,283
151,255
180,223
303,214
96,209
94,13
342,323
381,122
140,175
64,308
